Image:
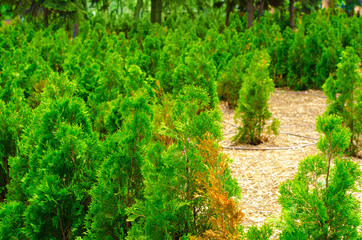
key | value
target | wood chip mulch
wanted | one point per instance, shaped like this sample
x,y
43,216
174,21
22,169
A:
x,y
259,172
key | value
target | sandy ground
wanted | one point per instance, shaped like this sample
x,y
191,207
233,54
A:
x,y
259,172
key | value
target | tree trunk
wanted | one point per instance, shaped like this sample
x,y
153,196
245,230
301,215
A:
x,y
228,10
156,11
262,5
291,13
138,9
45,15
250,10
281,15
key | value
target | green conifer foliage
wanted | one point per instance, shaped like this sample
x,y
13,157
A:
x,y
111,82
93,146
231,79
11,220
263,232
54,170
196,70
234,42
18,115
8,140
253,101
215,48
59,51
175,42
191,114
296,62
119,181
14,118
88,78
58,86
172,207
12,75
327,65
312,54
344,93
151,49
331,50
279,53
110,85
317,203
165,212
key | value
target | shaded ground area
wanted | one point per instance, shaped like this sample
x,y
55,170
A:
x,y
259,172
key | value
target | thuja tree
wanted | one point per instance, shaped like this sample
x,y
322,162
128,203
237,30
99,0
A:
x,y
317,203
119,180
196,70
295,62
312,54
223,212
173,207
279,53
109,86
169,57
58,87
344,95
231,79
253,100
151,51
14,117
52,172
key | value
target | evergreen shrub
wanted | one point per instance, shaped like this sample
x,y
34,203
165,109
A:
x,y
344,95
253,101
317,203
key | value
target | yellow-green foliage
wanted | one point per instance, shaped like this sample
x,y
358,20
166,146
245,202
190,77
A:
x,y
344,93
318,202
253,101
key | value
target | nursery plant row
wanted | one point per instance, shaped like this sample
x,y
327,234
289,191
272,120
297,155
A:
x,y
114,134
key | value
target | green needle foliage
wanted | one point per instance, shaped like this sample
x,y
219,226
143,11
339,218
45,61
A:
x,y
231,79
196,70
344,95
53,172
60,173
14,117
8,137
317,203
263,232
11,220
253,101
120,181
103,136
296,62
172,170
167,61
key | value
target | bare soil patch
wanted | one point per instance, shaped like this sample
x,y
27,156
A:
x,y
259,172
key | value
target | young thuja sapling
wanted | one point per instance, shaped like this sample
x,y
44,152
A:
x,y
253,101
344,95
318,202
